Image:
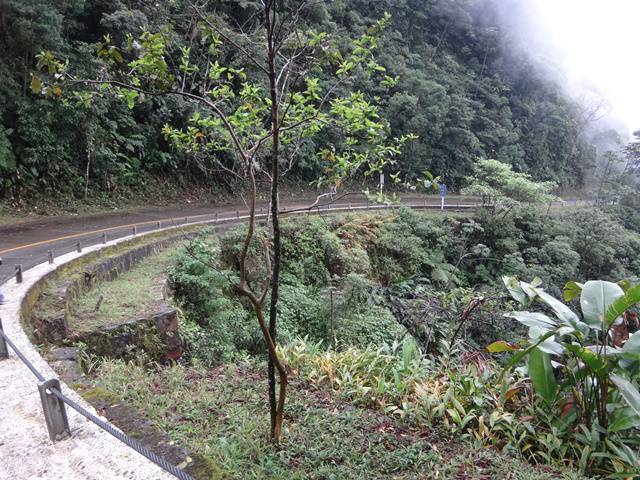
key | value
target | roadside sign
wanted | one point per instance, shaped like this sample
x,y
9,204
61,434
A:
x,y
443,190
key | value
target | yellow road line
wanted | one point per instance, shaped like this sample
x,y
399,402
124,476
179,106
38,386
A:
x,y
92,232
102,230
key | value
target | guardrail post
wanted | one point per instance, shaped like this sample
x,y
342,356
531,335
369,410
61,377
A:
x,y
186,219
54,411
50,256
237,213
216,218
19,273
134,230
79,246
104,237
158,225
4,352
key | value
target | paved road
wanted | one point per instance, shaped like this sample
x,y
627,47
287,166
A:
x,y
28,243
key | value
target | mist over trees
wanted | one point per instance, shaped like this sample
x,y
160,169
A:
x,y
459,81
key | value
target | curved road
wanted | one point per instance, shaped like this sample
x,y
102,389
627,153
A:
x,y
28,243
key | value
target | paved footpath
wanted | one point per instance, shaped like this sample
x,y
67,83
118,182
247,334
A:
x,y
25,449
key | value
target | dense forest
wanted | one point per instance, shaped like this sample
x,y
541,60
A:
x,y
463,87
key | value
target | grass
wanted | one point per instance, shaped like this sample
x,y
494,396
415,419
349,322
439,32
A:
x,y
221,414
131,294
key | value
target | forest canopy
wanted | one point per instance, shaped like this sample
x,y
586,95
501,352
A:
x,y
456,81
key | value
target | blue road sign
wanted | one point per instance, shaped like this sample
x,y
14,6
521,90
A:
x,y
443,190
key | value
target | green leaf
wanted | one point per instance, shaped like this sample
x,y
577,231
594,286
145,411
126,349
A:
x,y
515,289
572,290
628,392
563,312
522,353
541,374
500,346
624,419
632,345
596,298
533,319
36,84
630,298
590,359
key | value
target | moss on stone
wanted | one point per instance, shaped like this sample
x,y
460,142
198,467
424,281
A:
x,y
100,395
202,467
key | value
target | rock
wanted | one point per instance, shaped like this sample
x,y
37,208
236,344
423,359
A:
x,y
65,353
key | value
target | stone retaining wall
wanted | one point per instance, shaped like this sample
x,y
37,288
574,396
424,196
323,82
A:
x,y
46,310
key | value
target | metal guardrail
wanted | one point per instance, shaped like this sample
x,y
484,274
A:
x,y
53,406
77,242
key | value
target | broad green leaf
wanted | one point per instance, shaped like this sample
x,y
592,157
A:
x,y
500,346
633,344
596,298
541,374
629,298
515,290
624,419
572,290
551,347
533,319
522,353
564,313
590,359
628,392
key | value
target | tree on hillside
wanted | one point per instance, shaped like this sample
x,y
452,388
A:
x,y
259,93
631,155
499,186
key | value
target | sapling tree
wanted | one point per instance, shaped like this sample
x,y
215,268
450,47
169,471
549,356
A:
x,y
259,93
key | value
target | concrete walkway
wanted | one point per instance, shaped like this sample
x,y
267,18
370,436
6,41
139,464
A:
x,y
25,449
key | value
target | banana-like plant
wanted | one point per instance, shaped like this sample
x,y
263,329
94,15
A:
x,y
572,360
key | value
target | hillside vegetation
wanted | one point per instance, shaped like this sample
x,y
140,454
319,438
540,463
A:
x,y
398,322
458,82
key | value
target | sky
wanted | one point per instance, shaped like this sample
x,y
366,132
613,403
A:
x,y
598,43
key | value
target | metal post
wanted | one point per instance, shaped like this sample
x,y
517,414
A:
x,y
50,256
237,213
4,352
186,219
79,246
216,217
18,273
158,225
135,230
104,237
54,411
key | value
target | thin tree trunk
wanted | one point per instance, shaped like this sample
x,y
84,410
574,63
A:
x,y
276,404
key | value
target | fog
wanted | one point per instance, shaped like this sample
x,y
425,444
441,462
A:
x,y
595,43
